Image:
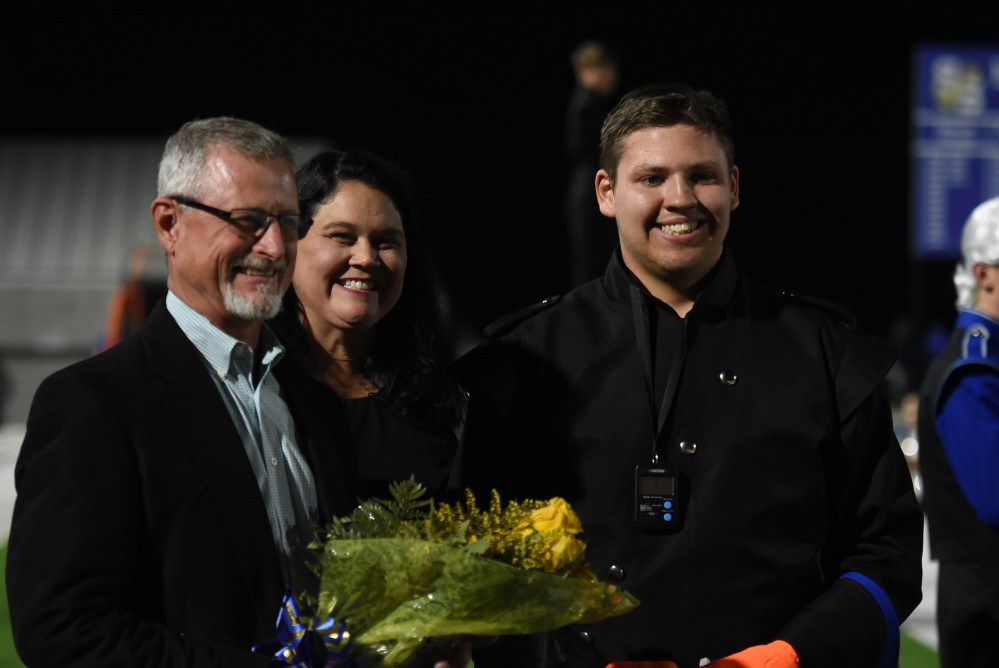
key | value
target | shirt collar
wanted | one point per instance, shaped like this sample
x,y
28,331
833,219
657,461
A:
x,y
216,346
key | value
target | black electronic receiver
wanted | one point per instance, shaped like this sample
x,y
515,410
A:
x,y
655,497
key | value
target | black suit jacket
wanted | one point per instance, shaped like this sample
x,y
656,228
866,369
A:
x,y
139,536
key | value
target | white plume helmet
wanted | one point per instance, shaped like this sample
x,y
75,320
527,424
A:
x,y
979,243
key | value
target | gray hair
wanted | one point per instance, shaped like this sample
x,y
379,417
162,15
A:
x,y
187,149
979,243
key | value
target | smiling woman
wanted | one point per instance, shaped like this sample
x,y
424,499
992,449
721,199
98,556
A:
x,y
364,318
354,260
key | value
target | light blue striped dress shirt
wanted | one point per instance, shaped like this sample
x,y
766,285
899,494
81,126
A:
x,y
265,426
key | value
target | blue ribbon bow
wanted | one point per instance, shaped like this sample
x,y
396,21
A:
x,y
294,647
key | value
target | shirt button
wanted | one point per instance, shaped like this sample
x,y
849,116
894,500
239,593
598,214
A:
x,y
273,461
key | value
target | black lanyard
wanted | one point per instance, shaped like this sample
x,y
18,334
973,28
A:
x,y
640,315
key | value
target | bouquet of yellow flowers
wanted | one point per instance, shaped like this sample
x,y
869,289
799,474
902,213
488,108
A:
x,y
399,574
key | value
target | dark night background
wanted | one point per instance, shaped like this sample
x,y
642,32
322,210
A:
x,y
472,101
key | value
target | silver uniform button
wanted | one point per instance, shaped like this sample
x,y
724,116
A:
x,y
688,447
616,573
728,377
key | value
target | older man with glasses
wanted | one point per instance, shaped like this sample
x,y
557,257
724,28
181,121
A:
x,y
164,489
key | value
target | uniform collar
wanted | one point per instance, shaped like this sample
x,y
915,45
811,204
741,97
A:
x,y
710,304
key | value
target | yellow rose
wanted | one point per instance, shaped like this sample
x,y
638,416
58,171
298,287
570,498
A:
x,y
564,550
558,514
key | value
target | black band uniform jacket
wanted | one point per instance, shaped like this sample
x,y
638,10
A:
x,y
779,430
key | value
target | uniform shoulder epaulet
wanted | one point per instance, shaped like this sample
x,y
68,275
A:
x,y
504,325
838,311
976,345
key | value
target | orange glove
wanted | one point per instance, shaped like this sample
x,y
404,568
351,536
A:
x,y
777,654
641,664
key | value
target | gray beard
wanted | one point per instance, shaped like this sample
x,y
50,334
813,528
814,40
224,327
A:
x,y
262,306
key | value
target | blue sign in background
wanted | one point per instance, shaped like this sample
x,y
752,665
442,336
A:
x,y
955,147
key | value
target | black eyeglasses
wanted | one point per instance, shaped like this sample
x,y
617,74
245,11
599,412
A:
x,y
255,222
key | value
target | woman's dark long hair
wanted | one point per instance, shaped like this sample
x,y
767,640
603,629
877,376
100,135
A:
x,y
412,343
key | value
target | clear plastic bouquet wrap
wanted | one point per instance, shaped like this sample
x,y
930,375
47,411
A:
x,y
407,573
